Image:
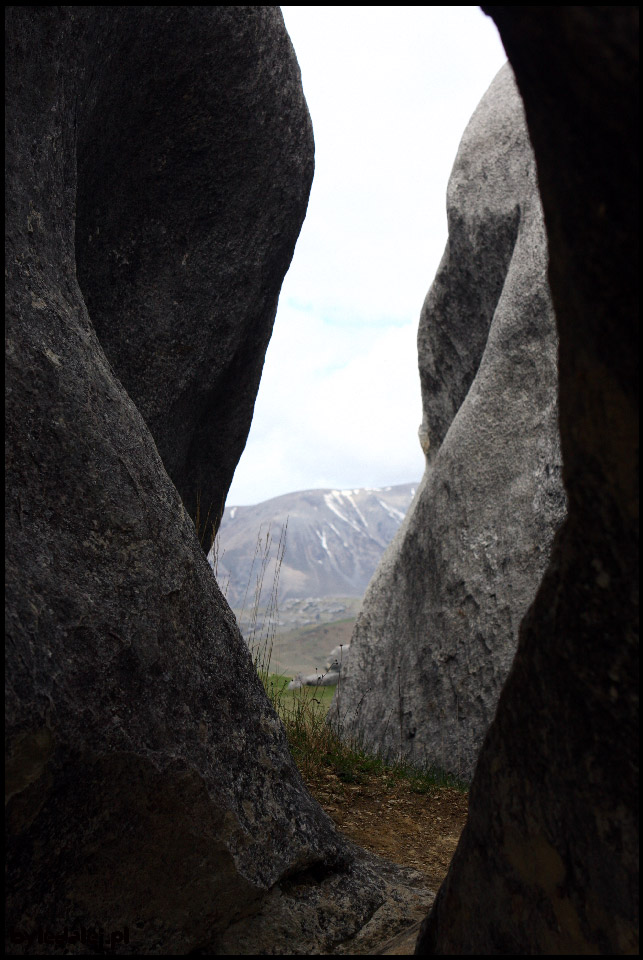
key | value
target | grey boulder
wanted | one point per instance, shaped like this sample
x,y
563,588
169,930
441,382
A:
x,y
195,162
438,627
339,656
548,863
149,785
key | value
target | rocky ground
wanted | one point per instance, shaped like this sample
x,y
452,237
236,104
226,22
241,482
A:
x,y
386,817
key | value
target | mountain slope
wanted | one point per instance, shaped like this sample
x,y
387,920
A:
x,y
334,541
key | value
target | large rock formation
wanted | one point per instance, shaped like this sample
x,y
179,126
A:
x,y
439,624
194,170
548,862
149,784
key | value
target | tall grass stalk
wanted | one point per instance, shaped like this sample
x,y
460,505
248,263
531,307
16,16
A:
x,y
262,638
319,747
264,617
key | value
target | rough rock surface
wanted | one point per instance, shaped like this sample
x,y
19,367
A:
x,y
304,915
192,187
438,628
148,780
548,861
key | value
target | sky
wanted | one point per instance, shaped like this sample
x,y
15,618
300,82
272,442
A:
x,y
390,91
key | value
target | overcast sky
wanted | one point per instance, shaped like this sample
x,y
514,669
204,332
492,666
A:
x,y
390,91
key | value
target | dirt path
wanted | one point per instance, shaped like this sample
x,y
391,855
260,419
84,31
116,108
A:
x,y
387,817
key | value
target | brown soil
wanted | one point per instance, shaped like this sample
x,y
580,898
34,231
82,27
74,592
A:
x,y
387,817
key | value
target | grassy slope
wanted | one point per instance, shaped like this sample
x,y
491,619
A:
x,y
305,649
318,697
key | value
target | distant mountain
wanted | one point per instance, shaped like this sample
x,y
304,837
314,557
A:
x,y
334,541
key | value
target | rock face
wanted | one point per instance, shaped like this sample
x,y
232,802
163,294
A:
x,y
192,187
149,783
439,624
548,862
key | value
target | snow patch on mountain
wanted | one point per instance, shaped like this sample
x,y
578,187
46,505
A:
x,y
334,541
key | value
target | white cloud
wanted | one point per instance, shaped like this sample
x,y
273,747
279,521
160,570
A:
x,y
390,92
340,407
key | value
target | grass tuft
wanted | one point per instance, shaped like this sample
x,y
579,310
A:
x,y
318,747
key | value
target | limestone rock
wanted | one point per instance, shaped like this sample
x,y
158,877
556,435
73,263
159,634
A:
x,y
192,189
148,780
315,916
338,656
548,861
329,678
438,628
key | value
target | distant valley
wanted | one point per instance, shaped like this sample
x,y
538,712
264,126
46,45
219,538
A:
x,y
334,540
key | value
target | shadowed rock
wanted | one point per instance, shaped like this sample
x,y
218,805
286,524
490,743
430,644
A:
x,y
548,861
149,783
438,628
194,170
